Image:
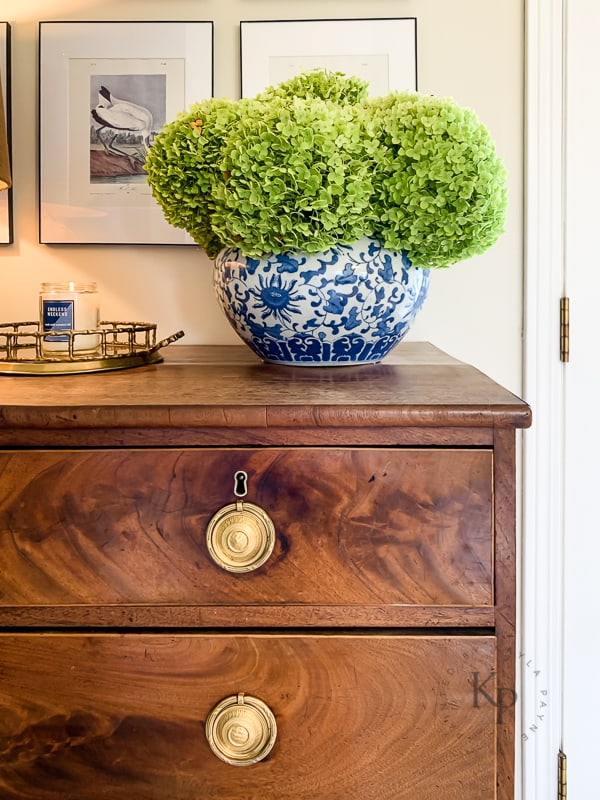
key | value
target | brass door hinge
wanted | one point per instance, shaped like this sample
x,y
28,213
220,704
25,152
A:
x,y
562,776
564,329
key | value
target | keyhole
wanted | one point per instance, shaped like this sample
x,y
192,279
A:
x,y
240,484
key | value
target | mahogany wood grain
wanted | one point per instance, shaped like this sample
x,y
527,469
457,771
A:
x,y
385,605
353,526
203,390
505,592
122,717
248,616
243,437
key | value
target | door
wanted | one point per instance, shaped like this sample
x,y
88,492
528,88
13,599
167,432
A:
x,y
581,699
561,541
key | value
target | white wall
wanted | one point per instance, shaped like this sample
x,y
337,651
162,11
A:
x,y
470,49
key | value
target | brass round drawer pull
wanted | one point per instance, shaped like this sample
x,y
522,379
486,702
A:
x,y
241,730
240,537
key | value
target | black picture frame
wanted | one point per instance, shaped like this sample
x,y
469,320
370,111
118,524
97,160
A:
x,y
92,187
381,50
6,197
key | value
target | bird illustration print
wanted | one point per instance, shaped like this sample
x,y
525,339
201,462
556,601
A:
x,y
117,116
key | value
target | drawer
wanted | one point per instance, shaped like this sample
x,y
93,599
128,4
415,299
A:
x,y
87,717
352,526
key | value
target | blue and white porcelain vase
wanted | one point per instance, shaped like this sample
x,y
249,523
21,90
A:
x,y
350,304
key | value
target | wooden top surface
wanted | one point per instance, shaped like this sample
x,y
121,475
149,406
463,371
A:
x,y
224,386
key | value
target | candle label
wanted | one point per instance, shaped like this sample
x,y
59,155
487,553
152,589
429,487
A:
x,y
57,315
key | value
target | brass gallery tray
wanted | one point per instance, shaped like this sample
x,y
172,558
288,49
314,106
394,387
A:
x,y
120,345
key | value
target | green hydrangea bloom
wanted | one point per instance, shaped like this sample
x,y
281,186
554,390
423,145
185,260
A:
x,y
298,178
312,162
323,85
440,187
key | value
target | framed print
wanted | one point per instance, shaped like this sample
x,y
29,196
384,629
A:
x,y
382,51
106,89
6,219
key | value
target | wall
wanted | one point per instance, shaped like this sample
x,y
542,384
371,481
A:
x,y
470,49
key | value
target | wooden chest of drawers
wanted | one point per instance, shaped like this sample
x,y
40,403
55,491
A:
x,y
223,579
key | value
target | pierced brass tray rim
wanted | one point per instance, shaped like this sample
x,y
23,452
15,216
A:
x,y
112,353
80,366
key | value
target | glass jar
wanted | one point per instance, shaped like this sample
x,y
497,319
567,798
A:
x,y
69,307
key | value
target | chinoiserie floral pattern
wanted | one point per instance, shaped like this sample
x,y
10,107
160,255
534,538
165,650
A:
x,y
349,304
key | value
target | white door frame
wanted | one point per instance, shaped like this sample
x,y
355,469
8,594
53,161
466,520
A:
x,y
543,504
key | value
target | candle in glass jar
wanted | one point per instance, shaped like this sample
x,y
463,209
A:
x,y
67,307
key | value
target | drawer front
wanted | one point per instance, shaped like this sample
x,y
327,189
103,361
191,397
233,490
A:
x,y
124,716
352,526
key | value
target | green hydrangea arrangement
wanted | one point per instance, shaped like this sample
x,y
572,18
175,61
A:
x,y
313,162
